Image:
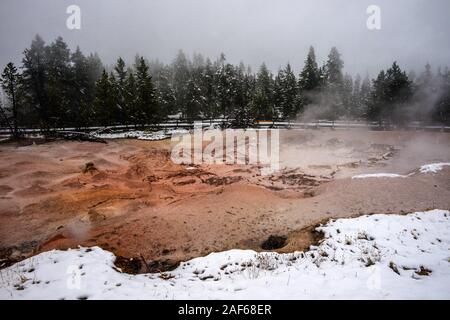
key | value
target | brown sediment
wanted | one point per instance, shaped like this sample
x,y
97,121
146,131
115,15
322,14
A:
x,y
128,197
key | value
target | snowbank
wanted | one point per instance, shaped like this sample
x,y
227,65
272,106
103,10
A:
x,y
378,256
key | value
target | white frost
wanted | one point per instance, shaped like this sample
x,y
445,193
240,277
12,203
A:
x,y
378,256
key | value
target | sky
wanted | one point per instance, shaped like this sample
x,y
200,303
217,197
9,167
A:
x,y
413,32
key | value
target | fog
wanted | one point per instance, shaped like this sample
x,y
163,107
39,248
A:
x,y
413,32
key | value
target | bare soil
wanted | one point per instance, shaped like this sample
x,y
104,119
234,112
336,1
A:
x,y
127,196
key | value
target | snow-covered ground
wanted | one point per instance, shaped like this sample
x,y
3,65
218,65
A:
x,y
142,135
378,256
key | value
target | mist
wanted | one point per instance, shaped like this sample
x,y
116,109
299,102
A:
x,y
413,32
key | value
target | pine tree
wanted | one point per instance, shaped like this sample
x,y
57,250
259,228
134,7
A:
x,y
310,76
334,68
262,101
131,98
355,105
425,89
347,95
309,81
35,80
196,93
80,96
378,98
104,100
146,110
95,67
59,81
94,71
364,98
194,101
10,81
398,94
165,92
225,87
116,110
391,94
180,74
288,104
442,106
334,91
120,83
209,90
241,114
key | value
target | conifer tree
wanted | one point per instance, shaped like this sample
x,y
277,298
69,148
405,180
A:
x,y
131,98
209,90
180,73
441,111
288,104
398,92
225,87
364,98
165,92
59,81
104,100
120,83
310,76
334,67
347,95
262,101
378,98
35,80
355,105
333,95
80,93
425,89
10,81
241,115
146,111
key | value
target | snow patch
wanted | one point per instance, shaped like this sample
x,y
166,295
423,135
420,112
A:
x,y
433,167
428,168
378,175
369,257
142,135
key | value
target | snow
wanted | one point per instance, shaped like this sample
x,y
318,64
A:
x,y
142,135
378,175
427,168
378,256
433,167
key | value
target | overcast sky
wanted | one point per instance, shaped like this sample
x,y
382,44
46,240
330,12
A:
x,y
274,31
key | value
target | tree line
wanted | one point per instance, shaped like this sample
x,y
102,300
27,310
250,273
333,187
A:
x,y
55,87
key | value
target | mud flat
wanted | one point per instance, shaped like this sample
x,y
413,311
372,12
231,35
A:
x,y
127,196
